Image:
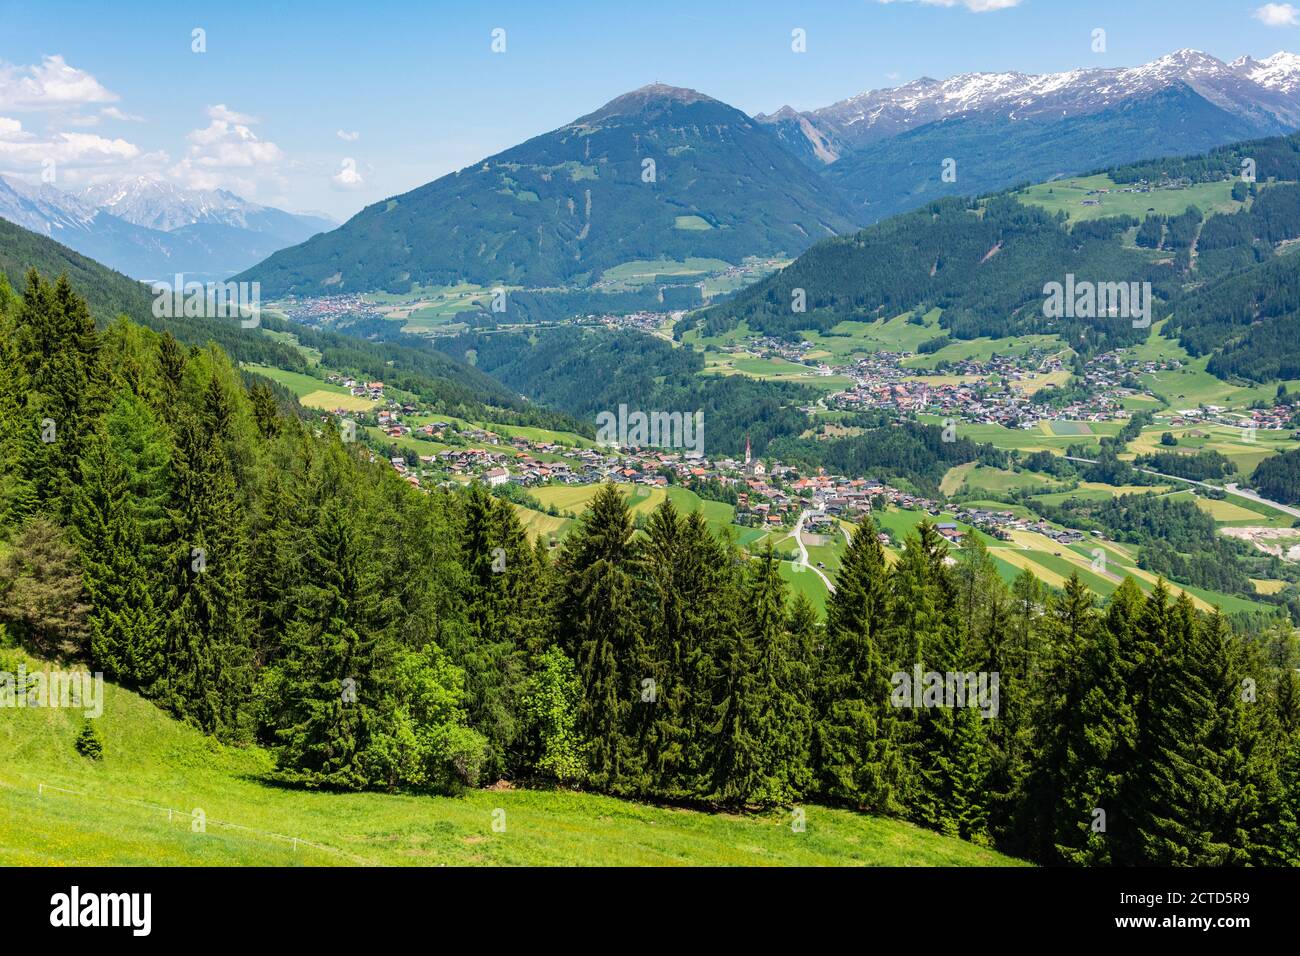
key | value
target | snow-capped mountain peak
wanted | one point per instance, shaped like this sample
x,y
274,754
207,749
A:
x,y
158,204
1264,89
1281,71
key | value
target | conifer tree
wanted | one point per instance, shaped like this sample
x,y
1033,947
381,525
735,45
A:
x,y
764,721
337,664
207,639
1175,791
18,430
599,631
57,350
857,727
125,625
503,610
1069,627
1094,761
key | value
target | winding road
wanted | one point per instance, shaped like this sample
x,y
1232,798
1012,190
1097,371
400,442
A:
x,y
1230,489
803,552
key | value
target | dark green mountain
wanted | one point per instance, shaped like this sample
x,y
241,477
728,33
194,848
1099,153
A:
x,y
106,292
562,207
1230,282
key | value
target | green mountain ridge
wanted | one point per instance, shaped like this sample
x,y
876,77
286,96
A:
x,y
413,365
1222,273
657,173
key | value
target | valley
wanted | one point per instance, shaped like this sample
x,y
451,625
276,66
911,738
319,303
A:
x,y
631,479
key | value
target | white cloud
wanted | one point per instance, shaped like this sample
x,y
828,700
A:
x,y
975,6
1278,15
223,114
348,137
51,84
22,151
347,177
78,119
227,154
112,112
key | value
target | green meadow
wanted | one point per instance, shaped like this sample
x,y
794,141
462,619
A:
x,y
136,807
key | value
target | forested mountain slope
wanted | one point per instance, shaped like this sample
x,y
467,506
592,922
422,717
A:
x,y
659,172
412,365
1226,274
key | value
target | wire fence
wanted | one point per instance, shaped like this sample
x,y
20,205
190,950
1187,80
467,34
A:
x,y
188,815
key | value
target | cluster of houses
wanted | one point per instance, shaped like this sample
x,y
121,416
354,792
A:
x,y
1277,418
1000,524
372,391
318,311
966,389
648,322
764,497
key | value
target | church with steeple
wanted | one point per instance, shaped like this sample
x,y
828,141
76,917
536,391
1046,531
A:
x,y
753,468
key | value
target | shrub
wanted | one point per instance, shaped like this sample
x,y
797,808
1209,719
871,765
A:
x,y
88,743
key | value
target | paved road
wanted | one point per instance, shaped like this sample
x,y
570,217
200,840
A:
x,y
803,552
1230,489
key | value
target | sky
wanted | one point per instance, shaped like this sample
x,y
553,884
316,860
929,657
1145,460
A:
x,y
330,106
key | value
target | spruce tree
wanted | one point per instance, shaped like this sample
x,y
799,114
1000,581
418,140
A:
x,y
764,722
600,632
857,728
207,631
337,658
1175,792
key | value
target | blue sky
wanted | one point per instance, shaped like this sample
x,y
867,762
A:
x,y
261,111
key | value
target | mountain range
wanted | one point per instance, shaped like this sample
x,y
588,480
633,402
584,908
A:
x,y
883,149
152,229
1265,91
666,172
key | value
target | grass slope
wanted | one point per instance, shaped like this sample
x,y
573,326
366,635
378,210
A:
x,y
118,814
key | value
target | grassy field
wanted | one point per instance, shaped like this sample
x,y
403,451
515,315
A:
x,y
429,308
135,807
1068,196
1242,448
313,356
773,370
642,499
540,524
1193,385
973,477
1022,439
313,392
642,271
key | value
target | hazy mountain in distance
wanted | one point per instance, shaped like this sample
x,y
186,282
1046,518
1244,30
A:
x,y
659,172
151,229
156,204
